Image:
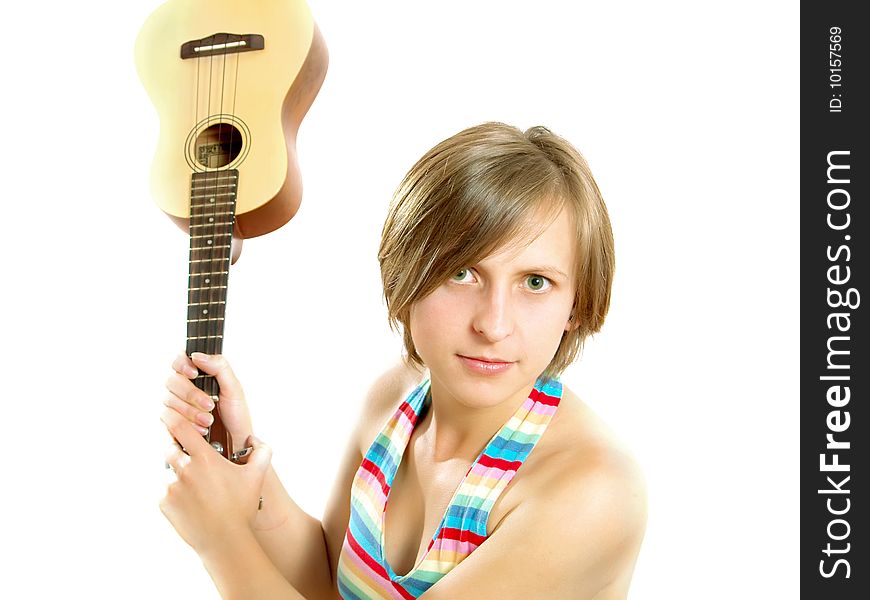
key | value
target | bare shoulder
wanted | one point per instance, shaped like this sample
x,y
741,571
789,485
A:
x,y
595,458
585,494
578,505
383,397
587,467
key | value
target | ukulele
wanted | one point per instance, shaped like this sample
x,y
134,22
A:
x,y
231,81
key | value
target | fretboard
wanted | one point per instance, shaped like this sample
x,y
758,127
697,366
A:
x,y
212,216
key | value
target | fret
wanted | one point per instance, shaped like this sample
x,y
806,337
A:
x,y
211,223
194,187
210,247
205,320
206,303
216,314
200,221
212,215
209,273
206,209
214,182
205,337
212,195
202,260
216,176
211,191
196,237
213,287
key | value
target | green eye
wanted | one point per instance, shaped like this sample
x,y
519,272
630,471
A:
x,y
537,283
460,275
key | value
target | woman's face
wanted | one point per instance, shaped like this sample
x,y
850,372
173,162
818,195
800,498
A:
x,y
493,327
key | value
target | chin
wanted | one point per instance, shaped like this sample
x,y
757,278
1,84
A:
x,y
476,389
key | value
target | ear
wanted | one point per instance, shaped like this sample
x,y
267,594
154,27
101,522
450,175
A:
x,y
571,324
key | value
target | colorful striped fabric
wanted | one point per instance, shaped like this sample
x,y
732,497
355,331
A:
x,y
363,572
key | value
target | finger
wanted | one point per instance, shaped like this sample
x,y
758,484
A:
x,y
175,458
184,390
184,433
184,366
200,420
217,365
261,457
241,457
181,387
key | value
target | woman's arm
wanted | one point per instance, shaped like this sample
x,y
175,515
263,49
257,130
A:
x,y
212,504
300,548
288,537
292,540
246,572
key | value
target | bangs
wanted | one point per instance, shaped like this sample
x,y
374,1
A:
x,y
481,211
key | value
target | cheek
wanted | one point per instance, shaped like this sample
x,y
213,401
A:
x,y
435,318
544,324
546,313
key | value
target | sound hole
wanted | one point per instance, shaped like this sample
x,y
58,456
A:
x,y
218,146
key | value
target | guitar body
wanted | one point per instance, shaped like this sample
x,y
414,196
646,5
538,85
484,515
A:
x,y
227,109
231,81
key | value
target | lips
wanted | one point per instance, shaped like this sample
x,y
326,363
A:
x,y
487,359
485,365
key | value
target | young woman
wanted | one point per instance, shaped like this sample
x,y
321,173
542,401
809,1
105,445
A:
x,y
497,261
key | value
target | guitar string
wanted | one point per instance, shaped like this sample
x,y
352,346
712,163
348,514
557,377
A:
x,y
208,194
195,270
195,219
235,91
218,310
212,341
218,254
206,184
194,297
226,249
234,194
202,312
202,324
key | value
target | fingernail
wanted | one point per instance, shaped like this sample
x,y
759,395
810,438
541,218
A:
x,y
204,419
199,356
191,372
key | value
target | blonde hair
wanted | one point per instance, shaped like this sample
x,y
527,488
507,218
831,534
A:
x,y
479,189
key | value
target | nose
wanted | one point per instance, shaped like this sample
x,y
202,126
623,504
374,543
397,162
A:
x,y
493,315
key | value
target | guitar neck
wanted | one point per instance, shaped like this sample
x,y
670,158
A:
x,y
212,217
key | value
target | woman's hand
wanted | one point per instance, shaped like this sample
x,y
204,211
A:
x,y
195,405
212,501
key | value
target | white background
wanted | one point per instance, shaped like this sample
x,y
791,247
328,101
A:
x,y
688,115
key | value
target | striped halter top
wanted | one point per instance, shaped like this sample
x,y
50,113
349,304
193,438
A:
x,y
363,571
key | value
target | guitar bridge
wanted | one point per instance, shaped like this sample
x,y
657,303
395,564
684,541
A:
x,y
222,43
